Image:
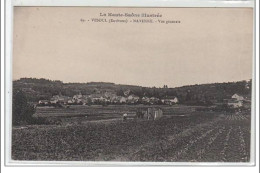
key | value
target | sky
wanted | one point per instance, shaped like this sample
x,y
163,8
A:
x,y
209,45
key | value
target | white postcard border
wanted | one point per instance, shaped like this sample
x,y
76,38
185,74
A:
x,y
115,3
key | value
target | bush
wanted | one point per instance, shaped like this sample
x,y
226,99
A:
x,y
22,110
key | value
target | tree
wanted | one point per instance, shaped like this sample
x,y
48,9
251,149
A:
x,y
120,92
22,110
165,86
188,95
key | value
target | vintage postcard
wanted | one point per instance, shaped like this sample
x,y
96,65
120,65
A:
x,y
121,84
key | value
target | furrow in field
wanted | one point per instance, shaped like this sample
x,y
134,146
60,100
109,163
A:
x,y
233,150
166,149
208,150
243,146
223,151
181,154
236,117
197,151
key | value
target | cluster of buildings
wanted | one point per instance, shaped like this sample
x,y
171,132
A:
x,y
107,98
236,101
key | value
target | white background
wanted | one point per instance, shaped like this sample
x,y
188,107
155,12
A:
x,y
165,3
122,169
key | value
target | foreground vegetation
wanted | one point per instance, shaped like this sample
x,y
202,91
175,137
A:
x,y
194,136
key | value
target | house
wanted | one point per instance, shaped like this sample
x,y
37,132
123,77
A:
x,y
109,97
59,99
153,113
154,100
103,99
44,102
85,101
235,103
53,101
237,97
170,100
175,100
145,100
71,101
78,99
132,99
114,99
78,96
121,99
95,97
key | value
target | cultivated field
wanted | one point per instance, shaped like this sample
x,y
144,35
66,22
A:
x,y
98,133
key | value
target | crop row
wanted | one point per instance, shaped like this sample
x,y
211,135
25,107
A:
x,y
198,137
236,117
223,151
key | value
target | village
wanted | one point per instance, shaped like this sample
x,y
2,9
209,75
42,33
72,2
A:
x,y
235,101
107,98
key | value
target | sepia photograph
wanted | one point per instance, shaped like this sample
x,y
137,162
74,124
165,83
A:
x,y
128,84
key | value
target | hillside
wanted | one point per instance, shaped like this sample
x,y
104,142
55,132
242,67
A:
x,y
36,89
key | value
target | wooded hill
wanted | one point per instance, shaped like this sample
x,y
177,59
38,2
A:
x,y
40,89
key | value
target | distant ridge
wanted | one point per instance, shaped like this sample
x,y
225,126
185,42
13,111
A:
x,y
36,89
